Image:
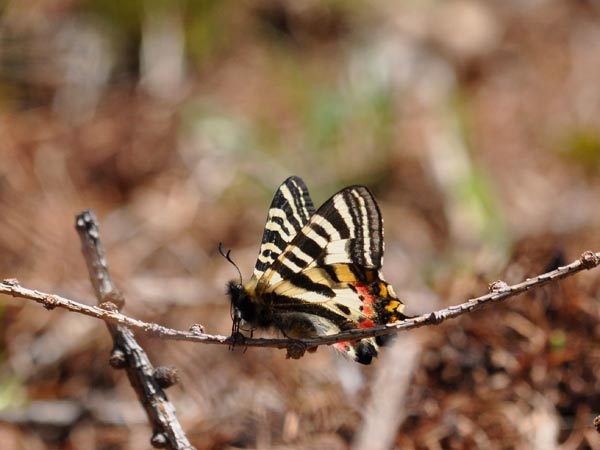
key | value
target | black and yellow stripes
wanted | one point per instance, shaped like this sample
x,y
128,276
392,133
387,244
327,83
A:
x,y
347,229
290,210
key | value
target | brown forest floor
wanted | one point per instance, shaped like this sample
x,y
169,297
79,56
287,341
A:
x,y
476,125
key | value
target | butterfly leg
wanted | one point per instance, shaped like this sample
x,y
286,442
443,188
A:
x,y
237,338
295,326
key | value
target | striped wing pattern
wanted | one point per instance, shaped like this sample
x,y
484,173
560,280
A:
x,y
323,272
347,229
290,210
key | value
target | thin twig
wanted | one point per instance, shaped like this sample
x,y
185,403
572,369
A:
x,y
500,291
127,353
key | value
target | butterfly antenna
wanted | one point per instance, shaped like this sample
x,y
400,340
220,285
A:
x,y
228,258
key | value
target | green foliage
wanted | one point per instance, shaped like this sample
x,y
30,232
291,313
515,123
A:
x,y
204,28
125,16
12,392
557,340
582,147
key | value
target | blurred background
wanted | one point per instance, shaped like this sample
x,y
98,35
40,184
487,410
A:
x,y
475,123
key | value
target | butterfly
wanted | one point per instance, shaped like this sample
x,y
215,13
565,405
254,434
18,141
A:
x,y
319,273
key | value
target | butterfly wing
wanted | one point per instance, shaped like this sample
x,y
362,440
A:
x,y
290,210
347,229
328,278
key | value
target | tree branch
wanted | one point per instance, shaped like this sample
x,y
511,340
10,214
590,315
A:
x,y
499,291
127,353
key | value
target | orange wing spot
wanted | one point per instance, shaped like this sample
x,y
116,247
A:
x,y
383,292
392,306
344,274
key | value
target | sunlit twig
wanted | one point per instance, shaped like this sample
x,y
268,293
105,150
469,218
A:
x,y
499,291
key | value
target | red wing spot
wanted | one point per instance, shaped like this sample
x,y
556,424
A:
x,y
367,323
361,288
370,300
367,311
343,347
365,295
